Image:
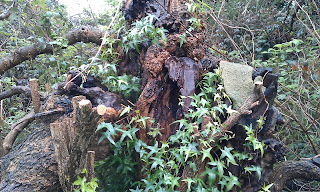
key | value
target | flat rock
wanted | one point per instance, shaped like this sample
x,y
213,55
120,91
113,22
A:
x,y
237,80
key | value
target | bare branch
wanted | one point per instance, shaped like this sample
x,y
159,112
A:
x,y
7,12
20,125
85,34
19,90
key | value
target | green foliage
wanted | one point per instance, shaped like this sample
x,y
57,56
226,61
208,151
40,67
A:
x,y
142,31
162,162
256,144
266,188
85,186
296,62
119,171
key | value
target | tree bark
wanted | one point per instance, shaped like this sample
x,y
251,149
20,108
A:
x,y
85,34
71,139
31,166
289,170
19,90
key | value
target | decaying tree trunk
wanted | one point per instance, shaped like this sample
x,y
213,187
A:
x,y
56,150
52,160
71,139
31,166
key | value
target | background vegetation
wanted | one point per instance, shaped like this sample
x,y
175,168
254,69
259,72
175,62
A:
x,y
282,34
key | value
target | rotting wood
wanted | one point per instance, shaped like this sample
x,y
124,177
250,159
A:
x,y
71,139
35,96
90,165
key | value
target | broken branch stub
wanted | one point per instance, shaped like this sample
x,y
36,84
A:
x,y
35,96
71,139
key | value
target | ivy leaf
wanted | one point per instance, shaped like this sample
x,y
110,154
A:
x,y
211,175
206,153
143,121
233,180
230,111
219,166
182,39
226,152
189,181
254,168
125,110
174,182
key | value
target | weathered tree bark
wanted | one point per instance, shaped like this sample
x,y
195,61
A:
x,y
19,90
169,71
288,170
71,139
31,166
85,34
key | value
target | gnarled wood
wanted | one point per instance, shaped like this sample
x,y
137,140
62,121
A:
x,y
85,34
289,170
71,139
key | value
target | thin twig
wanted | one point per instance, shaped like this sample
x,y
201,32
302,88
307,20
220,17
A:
x,y
214,17
299,123
37,19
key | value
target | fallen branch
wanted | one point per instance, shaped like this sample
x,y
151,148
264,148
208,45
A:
x,y
20,125
7,12
245,109
85,34
20,90
304,169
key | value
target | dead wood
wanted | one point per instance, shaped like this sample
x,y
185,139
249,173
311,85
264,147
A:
x,y
71,139
85,34
90,165
7,12
17,128
288,170
35,96
31,166
19,90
